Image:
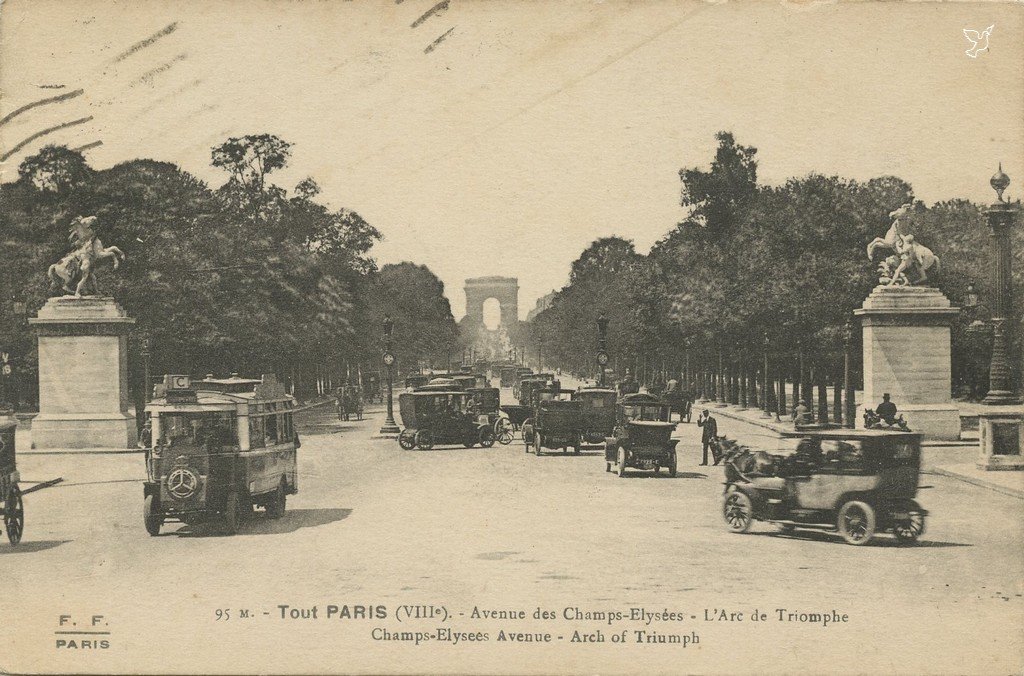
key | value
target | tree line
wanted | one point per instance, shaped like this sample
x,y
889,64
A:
x,y
247,277
759,270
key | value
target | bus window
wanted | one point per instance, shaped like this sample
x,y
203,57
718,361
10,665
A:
x,y
257,431
271,429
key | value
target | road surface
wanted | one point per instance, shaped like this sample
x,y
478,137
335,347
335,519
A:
x,y
499,530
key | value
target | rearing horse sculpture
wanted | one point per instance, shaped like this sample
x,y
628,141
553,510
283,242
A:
x,y
914,258
78,267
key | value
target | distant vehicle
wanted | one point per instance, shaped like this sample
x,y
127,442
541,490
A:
x,y
855,482
642,438
556,423
435,417
598,413
416,380
508,375
534,382
465,381
219,447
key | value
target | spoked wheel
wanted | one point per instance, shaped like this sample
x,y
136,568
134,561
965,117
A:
x,y
856,522
505,437
910,529
486,437
621,461
407,439
14,514
738,512
424,440
152,519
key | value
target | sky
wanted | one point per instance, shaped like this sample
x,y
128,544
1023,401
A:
x,y
530,128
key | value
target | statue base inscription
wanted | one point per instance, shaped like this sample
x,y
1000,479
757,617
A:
x,y
83,375
906,331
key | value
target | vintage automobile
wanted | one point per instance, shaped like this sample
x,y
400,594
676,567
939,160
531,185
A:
x,y
434,417
485,402
642,438
598,413
537,381
855,482
13,508
508,375
415,380
556,422
219,447
464,381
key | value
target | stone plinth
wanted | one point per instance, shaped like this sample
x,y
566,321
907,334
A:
x,y
1002,435
83,375
906,331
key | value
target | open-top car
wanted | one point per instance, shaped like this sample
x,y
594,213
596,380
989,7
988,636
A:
x,y
642,438
219,447
556,423
434,417
598,413
855,482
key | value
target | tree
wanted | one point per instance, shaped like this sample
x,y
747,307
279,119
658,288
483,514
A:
x,y
250,158
55,169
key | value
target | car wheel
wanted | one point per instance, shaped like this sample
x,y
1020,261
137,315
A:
x,y
908,530
621,461
230,518
424,440
407,439
738,512
856,522
152,518
486,437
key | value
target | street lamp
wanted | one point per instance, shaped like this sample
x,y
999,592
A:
x,y
602,347
389,427
1001,216
147,388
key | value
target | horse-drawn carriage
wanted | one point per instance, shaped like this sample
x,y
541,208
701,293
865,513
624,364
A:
x,y
349,402
855,482
556,423
642,438
13,508
433,417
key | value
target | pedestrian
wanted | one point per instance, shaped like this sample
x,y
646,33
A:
x,y
710,433
146,434
802,414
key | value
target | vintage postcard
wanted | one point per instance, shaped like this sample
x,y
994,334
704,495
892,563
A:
x,y
511,337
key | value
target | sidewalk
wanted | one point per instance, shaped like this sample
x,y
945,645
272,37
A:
x,y
953,459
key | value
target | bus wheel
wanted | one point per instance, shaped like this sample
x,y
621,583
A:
x,y
276,506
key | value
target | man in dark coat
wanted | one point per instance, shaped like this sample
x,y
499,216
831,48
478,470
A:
x,y
709,434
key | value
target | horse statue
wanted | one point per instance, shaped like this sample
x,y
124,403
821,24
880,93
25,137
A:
x,y
911,261
78,267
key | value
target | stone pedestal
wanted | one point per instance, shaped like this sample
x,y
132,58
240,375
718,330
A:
x,y
906,331
83,375
1002,435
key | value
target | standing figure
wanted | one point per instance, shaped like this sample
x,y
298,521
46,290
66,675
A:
x,y
708,436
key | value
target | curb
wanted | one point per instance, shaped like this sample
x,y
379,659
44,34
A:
x,y
981,483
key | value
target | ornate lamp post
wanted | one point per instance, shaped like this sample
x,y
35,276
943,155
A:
x,y
1001,216
146,378
389,427
602,347
849,405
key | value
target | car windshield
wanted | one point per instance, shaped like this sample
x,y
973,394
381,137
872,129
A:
x,y
178,430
